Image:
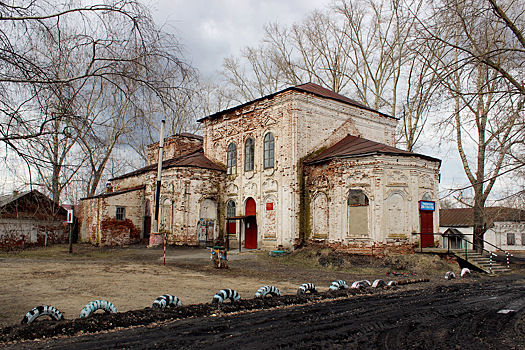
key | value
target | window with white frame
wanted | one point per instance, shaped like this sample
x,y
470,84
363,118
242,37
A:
x,y
230,209
511,238
269,150
231,162
248,154
120,214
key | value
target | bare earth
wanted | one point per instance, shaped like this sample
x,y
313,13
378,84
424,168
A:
x,y
131,278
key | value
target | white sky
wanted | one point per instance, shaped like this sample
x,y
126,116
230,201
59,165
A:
x,y
215,29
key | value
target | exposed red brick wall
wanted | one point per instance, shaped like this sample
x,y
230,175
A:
x,y
117,233
174,146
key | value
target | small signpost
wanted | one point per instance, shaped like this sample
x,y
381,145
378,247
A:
x,y
70,222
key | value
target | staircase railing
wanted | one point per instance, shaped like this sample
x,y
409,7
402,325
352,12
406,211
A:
x,y
491,254
507,254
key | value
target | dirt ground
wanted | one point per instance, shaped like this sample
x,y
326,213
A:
x,y
131,278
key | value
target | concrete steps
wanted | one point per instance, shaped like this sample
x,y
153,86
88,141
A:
x,y
481,262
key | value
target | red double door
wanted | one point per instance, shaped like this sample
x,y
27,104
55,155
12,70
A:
x,y
250,225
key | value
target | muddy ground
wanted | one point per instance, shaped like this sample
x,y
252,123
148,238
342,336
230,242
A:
x,y
462,313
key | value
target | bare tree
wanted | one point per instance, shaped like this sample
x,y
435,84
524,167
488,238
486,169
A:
x,y
488,110
365,49
75,79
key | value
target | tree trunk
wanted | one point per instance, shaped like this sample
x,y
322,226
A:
x,y
479,225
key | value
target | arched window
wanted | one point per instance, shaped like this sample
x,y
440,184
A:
x,y
248,154
231,212
268,150
427,197
231,162
230,209
357,198
357,213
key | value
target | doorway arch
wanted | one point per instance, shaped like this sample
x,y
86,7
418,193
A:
x,y
250,224
207,222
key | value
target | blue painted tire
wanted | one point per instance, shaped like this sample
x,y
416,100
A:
x,y
337,285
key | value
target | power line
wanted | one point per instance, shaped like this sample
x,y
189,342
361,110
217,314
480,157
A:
x,y
489,179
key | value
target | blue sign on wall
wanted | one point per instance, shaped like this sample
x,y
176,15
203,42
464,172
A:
x,y
425,205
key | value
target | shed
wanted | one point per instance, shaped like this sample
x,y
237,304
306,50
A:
x,y
30,218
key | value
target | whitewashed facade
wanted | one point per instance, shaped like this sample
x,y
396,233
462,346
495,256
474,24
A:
x,y
264,179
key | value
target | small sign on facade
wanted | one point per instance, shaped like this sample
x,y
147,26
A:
x,y
269,206
69,216
427,205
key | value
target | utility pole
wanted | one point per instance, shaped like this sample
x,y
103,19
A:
x,y
159,170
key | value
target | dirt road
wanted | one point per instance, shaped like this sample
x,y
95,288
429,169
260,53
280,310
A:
x,y
490,315
132,277
461,313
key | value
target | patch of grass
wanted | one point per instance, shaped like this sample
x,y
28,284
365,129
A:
x,y
329,260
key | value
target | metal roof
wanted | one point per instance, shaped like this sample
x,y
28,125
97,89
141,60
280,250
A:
x,y
8,198
195,159
464,217
308,88
7,201
352,146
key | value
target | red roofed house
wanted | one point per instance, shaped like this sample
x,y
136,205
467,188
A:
x,y
302,164
505,227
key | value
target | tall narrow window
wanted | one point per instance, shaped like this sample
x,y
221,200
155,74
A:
x,y
268,151
232,159
230,209
248,154
230,212
357,213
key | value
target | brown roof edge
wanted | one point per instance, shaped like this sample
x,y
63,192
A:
x,y
307,87
201,161
110,194
464,217
354,146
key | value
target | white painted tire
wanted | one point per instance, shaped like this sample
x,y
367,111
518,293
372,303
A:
x,y
361,284
43,310
165,301
450,275
267,290
98,305
306,288
225,294
379,283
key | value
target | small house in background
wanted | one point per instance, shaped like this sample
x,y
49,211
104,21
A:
x,y
29,219
505,228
